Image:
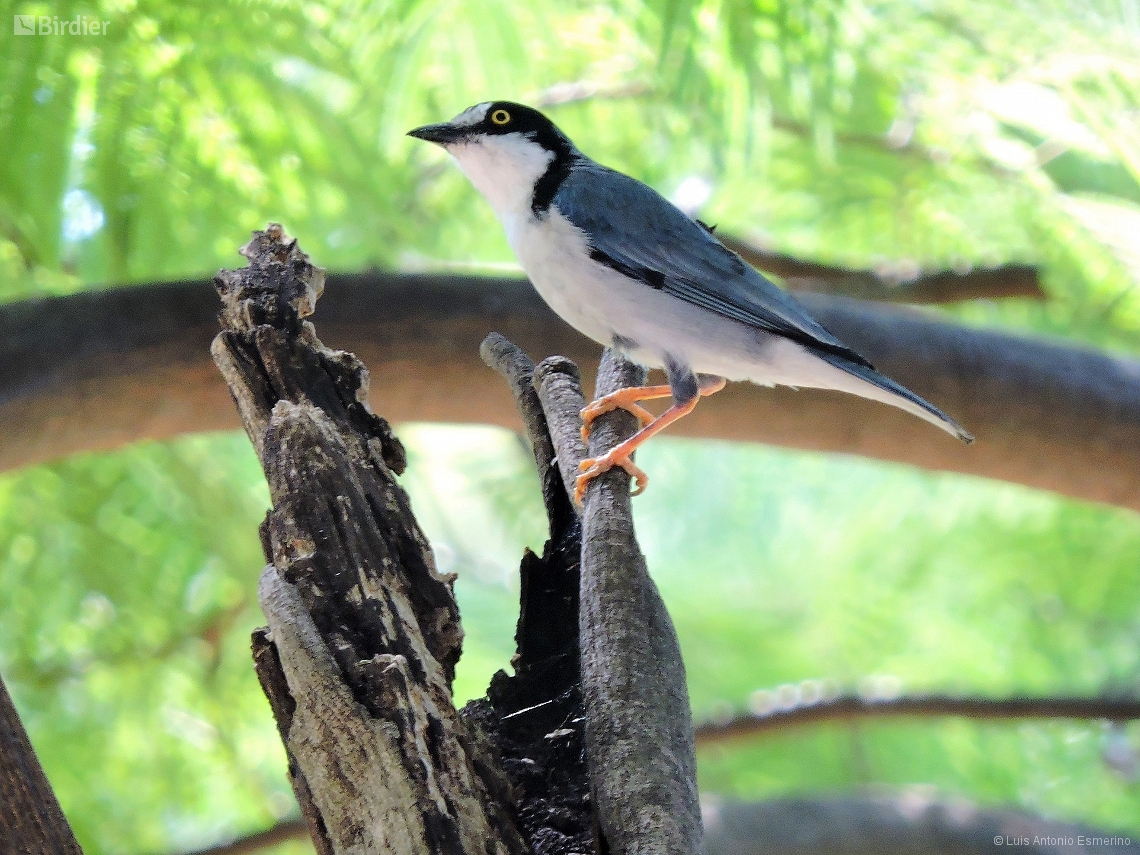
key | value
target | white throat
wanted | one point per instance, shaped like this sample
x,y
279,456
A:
x,y
504,169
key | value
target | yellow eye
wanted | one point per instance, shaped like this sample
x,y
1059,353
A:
x,y
500,117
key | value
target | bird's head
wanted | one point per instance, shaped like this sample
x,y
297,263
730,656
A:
x,y
503,147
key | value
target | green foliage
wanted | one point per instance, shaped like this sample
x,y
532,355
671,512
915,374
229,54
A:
x,y
951,133
127,586
940,133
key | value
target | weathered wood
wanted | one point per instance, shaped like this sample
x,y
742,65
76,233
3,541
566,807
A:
x,y
559,388
366,631
534,718
639,728
634,700
271,676
31,820
547,636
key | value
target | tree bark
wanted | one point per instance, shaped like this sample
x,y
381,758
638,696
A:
x,y
94,371
31,820
363,635
620,663
271,676
534,718
366,633
639,727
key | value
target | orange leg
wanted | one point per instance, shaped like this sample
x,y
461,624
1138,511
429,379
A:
x,y
623,399
620,454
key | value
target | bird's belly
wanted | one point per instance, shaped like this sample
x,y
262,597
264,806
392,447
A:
x,y
650,325
555,256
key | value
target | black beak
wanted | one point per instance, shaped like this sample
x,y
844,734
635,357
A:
x,y
442,134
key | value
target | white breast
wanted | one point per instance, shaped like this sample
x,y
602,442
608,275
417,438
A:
x,y
556,256
503,168
606,306
552,251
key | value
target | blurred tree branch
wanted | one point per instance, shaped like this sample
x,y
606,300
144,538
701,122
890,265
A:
x,y
282,832
898,285
910,823
850,707
96,370
900,824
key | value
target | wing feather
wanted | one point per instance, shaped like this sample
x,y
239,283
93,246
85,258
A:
x,y
634,230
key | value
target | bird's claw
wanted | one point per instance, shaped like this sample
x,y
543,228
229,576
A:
x,y
593,467
598,408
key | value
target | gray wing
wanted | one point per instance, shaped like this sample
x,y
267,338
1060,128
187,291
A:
x,y
634,230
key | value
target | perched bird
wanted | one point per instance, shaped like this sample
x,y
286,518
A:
x,y
624,266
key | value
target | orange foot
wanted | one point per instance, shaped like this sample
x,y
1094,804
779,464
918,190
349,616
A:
x,y
622,399
593,467
621,454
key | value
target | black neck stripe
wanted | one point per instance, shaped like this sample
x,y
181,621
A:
x,y
549,182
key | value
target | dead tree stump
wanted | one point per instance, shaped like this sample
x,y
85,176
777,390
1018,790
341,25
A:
x,y
363,632
574,753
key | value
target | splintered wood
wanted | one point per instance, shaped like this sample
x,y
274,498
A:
x,y
365,632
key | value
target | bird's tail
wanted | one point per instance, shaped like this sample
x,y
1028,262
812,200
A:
x,y
887,391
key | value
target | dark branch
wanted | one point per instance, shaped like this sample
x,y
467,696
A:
x,y
534,718
31,820
852,707
97,370
291,829
900,143
900,285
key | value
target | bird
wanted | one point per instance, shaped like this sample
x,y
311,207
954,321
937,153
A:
x,y
630,270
